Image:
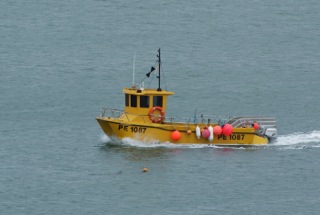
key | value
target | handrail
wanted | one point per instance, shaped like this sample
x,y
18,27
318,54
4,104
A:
x,y
244,121
104,113
112,111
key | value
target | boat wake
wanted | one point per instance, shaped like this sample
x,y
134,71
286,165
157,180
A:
x,y
297,140
128,142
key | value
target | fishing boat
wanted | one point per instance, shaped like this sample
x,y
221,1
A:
x,y
144,119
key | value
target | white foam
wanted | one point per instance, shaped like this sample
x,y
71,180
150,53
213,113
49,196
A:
x,y
104,138
156,144
298,138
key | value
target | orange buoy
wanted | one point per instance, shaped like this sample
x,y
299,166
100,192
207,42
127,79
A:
x,y
227,129
256,126
175,135
217,130
189,131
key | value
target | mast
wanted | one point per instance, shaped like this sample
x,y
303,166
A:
x,y
159,69
159,64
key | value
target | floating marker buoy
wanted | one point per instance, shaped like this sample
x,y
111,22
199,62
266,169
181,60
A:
x,y
217,130
205,133
175,135
145,170
211,133
256,126
227,130
198,133
189,131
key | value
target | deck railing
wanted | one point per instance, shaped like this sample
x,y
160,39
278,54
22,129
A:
x,y
200,119
116,113
264,122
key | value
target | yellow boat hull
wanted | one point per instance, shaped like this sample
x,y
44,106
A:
x,y
144,114
116,128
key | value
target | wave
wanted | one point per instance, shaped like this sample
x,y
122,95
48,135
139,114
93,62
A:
x,y
299,137
298,140
155,144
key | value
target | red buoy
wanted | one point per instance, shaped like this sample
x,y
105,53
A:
x,y
217,130
227,129
175,135
206,133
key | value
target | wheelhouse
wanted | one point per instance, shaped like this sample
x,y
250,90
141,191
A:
x,y
141,101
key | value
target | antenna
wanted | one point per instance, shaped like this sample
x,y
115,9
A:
x,y
133,69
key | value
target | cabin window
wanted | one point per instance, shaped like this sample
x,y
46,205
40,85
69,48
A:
x,y
144,101
133,101
157,101
126,98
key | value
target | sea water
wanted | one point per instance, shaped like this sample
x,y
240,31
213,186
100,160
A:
x,y
61,61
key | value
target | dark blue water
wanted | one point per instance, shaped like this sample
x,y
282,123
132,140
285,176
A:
x,y
61,61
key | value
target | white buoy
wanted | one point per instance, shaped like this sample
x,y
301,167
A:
x,y
198,133
211,133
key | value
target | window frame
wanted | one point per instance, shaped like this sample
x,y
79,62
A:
x,y
157,101
133,100
144,103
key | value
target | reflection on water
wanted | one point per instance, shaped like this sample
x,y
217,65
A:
x,y
135,153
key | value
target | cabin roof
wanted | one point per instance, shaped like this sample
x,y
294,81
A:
x,y
136,91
